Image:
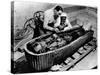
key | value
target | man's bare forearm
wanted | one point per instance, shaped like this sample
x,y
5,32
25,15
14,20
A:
x,y
48,27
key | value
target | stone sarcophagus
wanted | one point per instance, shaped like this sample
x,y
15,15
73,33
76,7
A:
x,y
46,50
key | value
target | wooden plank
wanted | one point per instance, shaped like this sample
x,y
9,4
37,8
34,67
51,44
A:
x,y
67,67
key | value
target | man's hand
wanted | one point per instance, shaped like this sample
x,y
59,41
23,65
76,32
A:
x,y
56,30
61,27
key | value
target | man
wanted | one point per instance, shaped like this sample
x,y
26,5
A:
x,y
63,22
50,17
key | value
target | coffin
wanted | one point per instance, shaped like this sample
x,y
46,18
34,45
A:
x,y
47,59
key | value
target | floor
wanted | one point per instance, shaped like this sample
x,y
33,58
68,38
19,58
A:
x,y
87,63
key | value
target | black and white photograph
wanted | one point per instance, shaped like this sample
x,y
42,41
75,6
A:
x,y
53,37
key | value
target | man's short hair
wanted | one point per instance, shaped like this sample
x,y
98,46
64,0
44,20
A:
x,y
58,8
